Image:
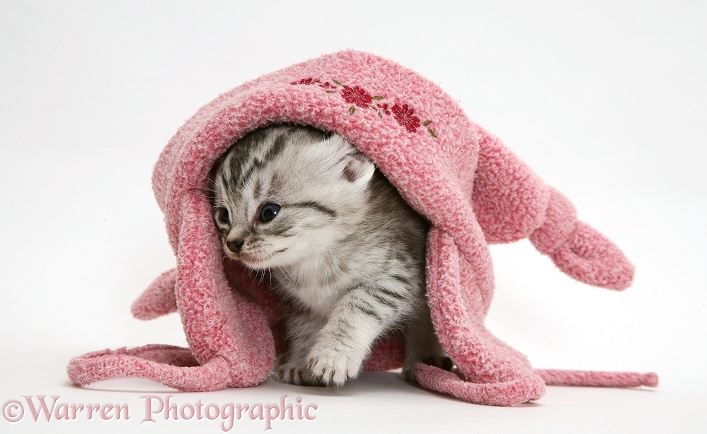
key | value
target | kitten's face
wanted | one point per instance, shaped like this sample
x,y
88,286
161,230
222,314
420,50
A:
x,y
283,194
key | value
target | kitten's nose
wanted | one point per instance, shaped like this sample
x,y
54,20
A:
x,y
235,245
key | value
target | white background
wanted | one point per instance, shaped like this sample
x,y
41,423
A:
x,y
606,100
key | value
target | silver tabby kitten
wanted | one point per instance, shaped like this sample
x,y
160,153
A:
x,y
346,252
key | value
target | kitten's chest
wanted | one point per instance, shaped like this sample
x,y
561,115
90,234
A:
x,y
320,300
318,294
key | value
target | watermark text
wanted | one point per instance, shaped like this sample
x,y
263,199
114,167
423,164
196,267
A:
x,y
158,409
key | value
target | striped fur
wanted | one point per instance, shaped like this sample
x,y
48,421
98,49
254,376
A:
x,y
346,252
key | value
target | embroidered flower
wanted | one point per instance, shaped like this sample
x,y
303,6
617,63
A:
x,y
357,96
309,80
330,88
384,108
406,117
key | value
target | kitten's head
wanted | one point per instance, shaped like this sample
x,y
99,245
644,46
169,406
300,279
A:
x,y
285,193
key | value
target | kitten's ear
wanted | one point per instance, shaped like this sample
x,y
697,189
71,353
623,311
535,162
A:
x,y
359,169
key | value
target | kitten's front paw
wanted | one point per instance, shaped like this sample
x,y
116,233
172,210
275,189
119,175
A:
x,y
333,367
295,373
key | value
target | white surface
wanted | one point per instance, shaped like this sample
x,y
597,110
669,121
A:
x,y
605,100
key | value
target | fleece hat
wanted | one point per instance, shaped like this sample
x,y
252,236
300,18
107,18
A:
x,y
464,181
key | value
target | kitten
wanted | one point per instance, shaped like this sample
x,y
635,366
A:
x,y
346,252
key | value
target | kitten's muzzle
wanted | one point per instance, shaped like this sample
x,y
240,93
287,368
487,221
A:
x,y
235,245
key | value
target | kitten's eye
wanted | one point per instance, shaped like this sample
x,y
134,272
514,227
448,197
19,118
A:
x,y
223,216
268,212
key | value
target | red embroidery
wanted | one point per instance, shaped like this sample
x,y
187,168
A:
x,y
406,117
357,96
384,107
305,81
328,87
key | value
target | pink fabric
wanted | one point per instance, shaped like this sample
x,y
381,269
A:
x,y
472,189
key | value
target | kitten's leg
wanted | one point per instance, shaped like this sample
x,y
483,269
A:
x,y
301,329
422,344
345,341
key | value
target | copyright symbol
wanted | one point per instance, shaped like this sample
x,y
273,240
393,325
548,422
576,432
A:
x,y
13,411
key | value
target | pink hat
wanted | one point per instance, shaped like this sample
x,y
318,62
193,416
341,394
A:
x,y
471,188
